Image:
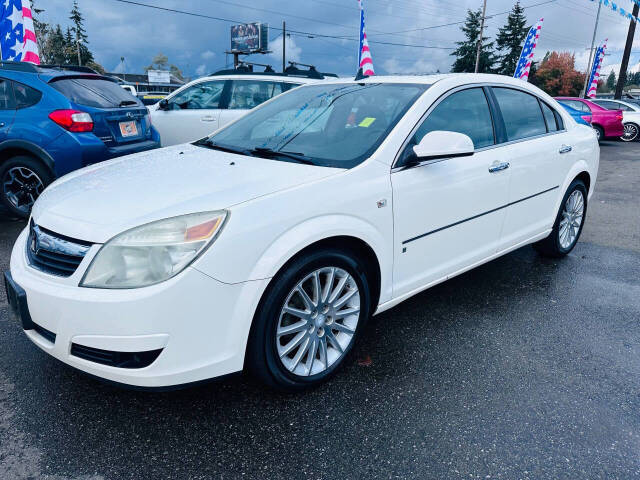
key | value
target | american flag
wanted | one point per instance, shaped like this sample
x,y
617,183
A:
x,y
526,57
365,62
18,38
595,70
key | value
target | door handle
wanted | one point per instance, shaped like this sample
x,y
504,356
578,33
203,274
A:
x,y
208,118
565,149
498,166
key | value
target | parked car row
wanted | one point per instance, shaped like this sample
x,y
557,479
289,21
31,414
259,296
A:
x,y
269,243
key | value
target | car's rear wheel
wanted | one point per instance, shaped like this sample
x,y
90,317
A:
x,y
599,132
309,320
22,180
631,132
569,222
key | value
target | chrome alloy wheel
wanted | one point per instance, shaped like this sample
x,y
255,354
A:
x,y
630,132
21,186
572,215
317,321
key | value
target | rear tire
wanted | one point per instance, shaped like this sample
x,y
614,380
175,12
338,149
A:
x,y
22,180
599,132
324,329
569,222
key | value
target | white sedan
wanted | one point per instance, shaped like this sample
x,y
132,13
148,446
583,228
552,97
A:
x,y
630,116
269,244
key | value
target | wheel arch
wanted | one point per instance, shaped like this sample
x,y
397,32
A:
x,y
12,148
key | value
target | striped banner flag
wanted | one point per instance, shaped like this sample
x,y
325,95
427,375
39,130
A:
x,y
17,35
526,57
365,62
595,70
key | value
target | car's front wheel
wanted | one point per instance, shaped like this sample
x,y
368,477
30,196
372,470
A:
x,y
631,132
569,222
309,319
22,180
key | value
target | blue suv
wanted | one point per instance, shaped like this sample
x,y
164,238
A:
x,y
56,119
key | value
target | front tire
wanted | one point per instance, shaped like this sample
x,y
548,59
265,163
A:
x,y
569,222
22,180
309,319
631,131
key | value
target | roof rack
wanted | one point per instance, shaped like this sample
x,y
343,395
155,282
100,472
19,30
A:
x,y
32,68
19,66
71,68
292,70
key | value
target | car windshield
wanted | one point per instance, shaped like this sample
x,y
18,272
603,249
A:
x,y
336,125
95,92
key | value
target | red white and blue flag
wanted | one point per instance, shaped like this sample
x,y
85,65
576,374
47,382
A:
x,y
365,62
526,57
17,35
595,70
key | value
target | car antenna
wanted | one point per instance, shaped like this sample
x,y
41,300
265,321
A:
x,y
360,75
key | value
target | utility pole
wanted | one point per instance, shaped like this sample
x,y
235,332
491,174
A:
x,y
484,11
593,41
622,75
78,48
284,45
124,72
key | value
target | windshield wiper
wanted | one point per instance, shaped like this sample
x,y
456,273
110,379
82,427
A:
x,y
270,153
223,148
124,103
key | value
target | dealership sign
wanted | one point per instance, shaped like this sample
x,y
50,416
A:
x,y
250,37
159,76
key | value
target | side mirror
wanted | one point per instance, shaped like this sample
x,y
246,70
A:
x,y
443,144
163,105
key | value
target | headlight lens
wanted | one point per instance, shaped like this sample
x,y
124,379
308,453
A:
x,y
154,252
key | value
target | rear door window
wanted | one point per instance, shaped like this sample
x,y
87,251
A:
x,y
521,113
248,94
6,95
94,92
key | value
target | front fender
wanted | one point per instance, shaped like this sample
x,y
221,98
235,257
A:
x,y
316,229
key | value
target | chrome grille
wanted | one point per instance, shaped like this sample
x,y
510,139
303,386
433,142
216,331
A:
x,y
52,253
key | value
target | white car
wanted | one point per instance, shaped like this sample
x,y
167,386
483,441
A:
x,y
268,245
630,116
206,104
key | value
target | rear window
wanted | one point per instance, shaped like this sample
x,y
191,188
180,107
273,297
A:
x,y
95,92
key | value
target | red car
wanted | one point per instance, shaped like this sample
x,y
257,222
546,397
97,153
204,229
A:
x,y
607,123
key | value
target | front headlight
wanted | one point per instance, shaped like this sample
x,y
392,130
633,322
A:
x,y
154,252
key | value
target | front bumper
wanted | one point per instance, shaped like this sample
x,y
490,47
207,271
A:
x,y
200,325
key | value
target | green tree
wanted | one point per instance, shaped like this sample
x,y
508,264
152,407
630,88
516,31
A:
x,y
83,54
54,49
510,39
466,52
161,62
611,81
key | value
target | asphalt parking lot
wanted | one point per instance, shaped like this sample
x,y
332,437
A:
x,y
522,368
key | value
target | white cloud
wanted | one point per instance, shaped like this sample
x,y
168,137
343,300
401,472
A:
x,y
201,70
293,51
208,55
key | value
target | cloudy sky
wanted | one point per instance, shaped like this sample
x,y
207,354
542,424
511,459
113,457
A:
x,y
405,35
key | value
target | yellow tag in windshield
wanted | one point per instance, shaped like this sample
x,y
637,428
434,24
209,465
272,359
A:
x,y
367,122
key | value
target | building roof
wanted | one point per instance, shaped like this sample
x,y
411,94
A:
x,y
138,78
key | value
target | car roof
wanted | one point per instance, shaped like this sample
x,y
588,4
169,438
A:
x,y
430,79
264,78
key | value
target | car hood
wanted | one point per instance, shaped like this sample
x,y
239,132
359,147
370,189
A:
x,y
100,201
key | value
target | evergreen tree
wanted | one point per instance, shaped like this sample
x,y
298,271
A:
x,y
510,39
466,52
611,81
55,47
83,54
